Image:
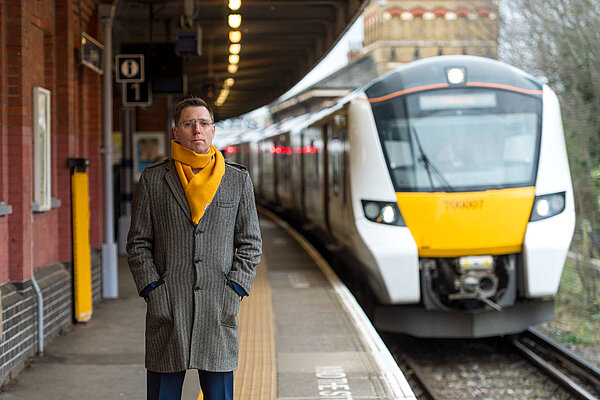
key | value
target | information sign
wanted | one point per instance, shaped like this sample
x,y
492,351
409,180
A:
x,y
137,94
130,68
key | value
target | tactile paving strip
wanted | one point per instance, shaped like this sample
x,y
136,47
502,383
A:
x,y
256,376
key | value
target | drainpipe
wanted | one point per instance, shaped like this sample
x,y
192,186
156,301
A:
x,y
40,298
110,279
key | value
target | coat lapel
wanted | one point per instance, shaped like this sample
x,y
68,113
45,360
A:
x,y
177,190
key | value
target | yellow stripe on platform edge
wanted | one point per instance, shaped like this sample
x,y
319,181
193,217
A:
x,y
200,396
469,223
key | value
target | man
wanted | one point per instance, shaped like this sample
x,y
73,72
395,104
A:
x,y
193,245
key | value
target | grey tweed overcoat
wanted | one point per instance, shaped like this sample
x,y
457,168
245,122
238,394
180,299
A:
x,y
191,319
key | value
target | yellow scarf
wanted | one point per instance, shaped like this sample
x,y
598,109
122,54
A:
x,y
199,188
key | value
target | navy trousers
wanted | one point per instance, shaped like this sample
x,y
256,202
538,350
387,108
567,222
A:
x,y
168,386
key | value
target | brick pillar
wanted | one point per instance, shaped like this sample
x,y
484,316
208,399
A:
x,y
19,143
4,238
65,133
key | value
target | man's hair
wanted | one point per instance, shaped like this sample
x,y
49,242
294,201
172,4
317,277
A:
x,y
190,102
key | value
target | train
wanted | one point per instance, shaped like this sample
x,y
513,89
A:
x,y
444,184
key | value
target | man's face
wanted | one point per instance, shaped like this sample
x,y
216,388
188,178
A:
x,y
195,129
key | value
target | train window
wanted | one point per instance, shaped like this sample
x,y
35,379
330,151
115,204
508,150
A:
x,y
460,139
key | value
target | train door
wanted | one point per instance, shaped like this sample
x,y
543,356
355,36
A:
x,y
296,177
347,212
325,178
335,169
283,153
267,170
253,164
311,154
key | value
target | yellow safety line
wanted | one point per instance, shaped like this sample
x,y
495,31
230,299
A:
x,y
256,376
390,373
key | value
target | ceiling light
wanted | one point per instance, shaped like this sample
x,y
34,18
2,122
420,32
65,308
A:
x,y
235,20
229,82
235,48
234,59
235,4
232,68
235,36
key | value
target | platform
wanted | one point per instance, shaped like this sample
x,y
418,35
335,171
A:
x,y
302,336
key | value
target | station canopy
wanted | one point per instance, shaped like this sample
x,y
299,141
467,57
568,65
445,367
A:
x,y
280,41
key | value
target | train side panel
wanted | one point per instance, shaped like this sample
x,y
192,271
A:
x,y
547,241
390,251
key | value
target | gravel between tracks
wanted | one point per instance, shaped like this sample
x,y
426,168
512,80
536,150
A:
x,y
483,369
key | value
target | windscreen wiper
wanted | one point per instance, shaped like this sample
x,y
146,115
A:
x,y
429,166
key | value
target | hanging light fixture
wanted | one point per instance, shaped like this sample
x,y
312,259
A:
x,y
232,68
234,20
235,5
234,59
235,36
235,48
229,82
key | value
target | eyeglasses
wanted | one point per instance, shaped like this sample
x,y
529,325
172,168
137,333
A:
x,y
190,124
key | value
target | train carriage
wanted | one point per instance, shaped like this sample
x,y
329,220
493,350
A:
x,y
447,182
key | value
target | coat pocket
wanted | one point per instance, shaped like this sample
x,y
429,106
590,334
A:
x,y
230,306
225,203
158,312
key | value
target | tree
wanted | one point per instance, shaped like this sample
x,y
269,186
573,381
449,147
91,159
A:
x,y
559,40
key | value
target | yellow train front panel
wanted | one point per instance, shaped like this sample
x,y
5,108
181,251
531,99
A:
x,y
467,223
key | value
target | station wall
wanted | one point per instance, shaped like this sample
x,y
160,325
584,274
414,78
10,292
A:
x,y
39,47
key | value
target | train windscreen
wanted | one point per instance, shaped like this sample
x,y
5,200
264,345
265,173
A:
x,y
460,139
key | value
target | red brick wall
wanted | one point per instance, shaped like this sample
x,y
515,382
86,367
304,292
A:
x,y
4,239
42,50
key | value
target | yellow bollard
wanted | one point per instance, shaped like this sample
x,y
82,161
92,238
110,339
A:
x,y
80,222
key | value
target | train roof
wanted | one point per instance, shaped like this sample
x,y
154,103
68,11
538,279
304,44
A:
x,y
428,71
433,71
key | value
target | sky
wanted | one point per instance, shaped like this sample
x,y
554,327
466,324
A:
x,y
336,59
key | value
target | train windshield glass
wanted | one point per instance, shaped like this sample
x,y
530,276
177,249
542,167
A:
x,y
460,139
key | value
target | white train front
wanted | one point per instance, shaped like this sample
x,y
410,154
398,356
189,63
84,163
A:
x,y
443,184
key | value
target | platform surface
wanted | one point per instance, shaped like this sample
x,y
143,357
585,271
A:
x,y
299,339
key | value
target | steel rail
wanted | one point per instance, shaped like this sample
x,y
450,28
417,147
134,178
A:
x,y
420,377
566,382
591,371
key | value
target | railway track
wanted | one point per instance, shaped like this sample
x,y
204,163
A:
x,y
512,368
526,366
576,375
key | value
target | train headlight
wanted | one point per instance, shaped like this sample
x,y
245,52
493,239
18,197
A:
x,y
388,214
456,75
372,210
547,205
383,212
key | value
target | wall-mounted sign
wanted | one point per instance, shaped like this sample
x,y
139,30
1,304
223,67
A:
x,y
91,53
130,68
42,129
137,94
148,148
